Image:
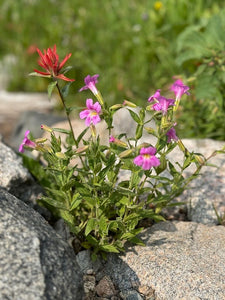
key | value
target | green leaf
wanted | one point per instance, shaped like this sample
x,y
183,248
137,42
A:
x,y
109,248
67,69
137,241
51,87
103,225
134,116
76,200
82,134
61,130
113,226
65,89
90,226
139,131
53,202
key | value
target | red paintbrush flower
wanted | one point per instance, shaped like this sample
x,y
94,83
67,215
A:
x,y
49,60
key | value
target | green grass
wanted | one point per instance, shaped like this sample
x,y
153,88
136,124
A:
x,y
131,44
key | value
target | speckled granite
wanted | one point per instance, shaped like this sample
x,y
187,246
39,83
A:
x,y
181,260
35,263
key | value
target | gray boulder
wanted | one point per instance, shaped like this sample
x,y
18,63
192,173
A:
x,y
35,263
15,178
181,260
207,190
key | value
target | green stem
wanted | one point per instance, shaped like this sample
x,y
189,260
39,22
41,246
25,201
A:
x,y
67,113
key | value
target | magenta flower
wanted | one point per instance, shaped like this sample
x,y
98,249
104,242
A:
x,y
155,96
112,139
179,89
171,135
161,103
90,82
91,113
147,158
26,142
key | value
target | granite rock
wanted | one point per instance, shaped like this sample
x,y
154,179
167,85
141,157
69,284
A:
x,y
181,260
35,263
16,179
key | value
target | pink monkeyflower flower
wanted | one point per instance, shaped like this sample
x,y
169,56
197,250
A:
x,y
112,139
90,82
26,142
171,135
49,60
179,89
161,103
147,158
91,113
116,141
155,96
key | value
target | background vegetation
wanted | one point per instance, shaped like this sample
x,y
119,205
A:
x,y
135,46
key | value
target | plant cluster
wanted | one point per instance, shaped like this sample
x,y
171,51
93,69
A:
x,y
101,208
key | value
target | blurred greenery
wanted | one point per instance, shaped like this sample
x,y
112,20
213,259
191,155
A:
x,y
135,46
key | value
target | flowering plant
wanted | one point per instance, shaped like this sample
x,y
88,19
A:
x,y
101,207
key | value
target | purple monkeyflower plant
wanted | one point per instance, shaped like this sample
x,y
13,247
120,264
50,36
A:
x,y
91,113
179,89
147,158
90,82
26,142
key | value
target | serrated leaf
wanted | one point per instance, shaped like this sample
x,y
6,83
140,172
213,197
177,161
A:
x,y
90,226
109,248
76,200
53,202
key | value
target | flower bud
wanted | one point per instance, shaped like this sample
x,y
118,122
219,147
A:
x,y
125,153
129,103
118,142
93,130
199,159
40,140
116,106
61,155
81,149
46,128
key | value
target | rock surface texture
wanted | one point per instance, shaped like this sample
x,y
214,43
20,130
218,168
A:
x,y
181,260
35,263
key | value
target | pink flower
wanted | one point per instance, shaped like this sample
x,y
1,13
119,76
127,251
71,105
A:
x,y
155,96
147,158
112,139
171,135
49,60
90,82
26,142
161,103
179,89
91,113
